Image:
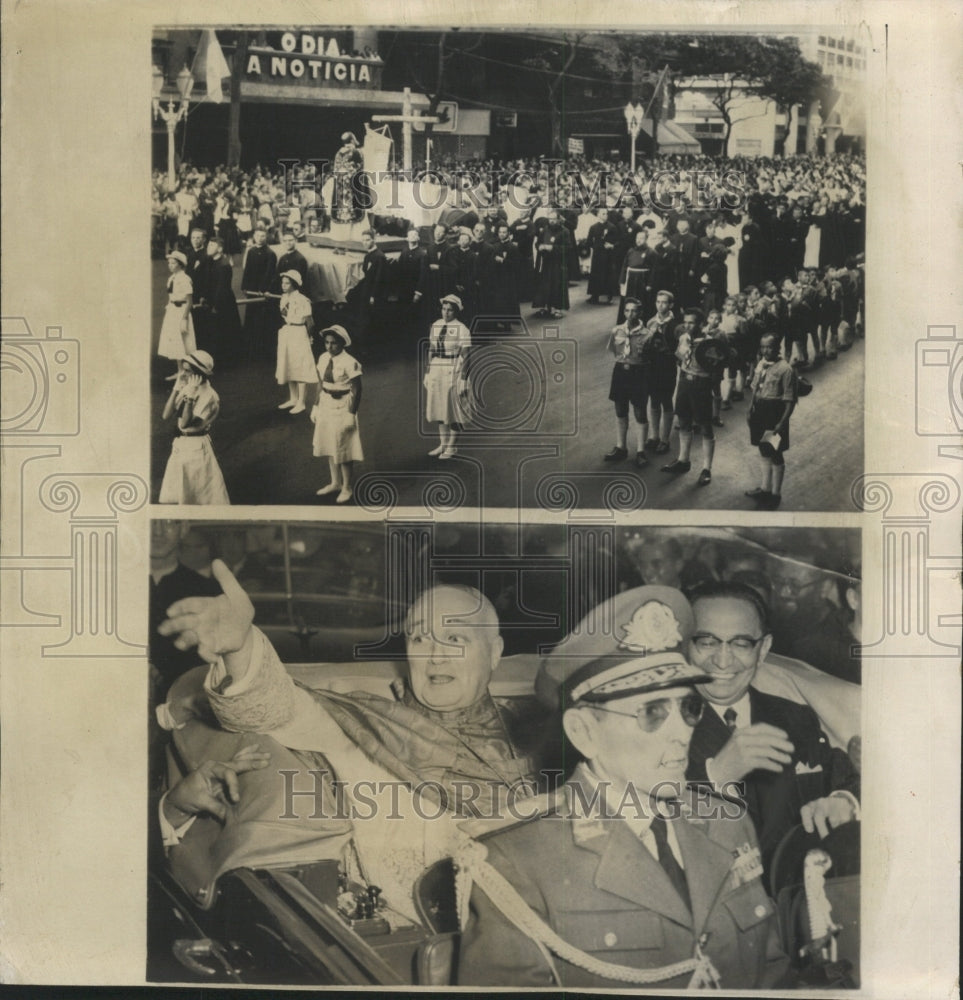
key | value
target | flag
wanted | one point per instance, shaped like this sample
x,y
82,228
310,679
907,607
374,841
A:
x,y
376,149
210,64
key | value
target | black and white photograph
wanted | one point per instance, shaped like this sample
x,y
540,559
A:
x,y
504,755
481,498
490,256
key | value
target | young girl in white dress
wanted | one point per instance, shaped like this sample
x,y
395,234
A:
x,y
335,414
295,365
177,330
192,474
446,383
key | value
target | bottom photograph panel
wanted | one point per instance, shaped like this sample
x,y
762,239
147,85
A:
x,y
451,754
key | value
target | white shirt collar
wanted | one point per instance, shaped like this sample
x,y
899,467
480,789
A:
x,y
742,708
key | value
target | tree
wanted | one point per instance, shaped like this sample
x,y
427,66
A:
x,y
640,61
796,81
555,60
742,67
445,52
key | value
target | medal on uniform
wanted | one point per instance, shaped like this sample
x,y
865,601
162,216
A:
x,y
748,864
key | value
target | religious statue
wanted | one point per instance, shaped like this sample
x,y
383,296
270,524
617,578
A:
x,y
347,201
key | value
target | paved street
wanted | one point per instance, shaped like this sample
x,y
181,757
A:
x,y
544,423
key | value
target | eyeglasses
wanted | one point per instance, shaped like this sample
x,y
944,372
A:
x,y
706,642
653,713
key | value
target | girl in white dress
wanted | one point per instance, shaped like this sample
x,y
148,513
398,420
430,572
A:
x,y
177,329
295,365
446,382
335,415
192,474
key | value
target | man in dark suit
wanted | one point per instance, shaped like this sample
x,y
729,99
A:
x,y
406,278
260,271
371,293
605,239
768,752
199,271
460,263
290,259
223,315
624,871
498,267
688,264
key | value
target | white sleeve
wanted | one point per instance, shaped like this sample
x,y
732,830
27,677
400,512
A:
x,y
170,834
266,700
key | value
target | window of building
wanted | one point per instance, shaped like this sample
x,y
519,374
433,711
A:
x,y
849,62
859,50
839,60
822,39
832,43
849,45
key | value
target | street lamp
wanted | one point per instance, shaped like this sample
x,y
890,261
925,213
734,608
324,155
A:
x,y
173,113
633,119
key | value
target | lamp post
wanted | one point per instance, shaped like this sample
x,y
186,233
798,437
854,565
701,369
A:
x,y
633,119
173,113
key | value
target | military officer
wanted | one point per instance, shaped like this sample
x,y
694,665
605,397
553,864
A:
x,y
626,878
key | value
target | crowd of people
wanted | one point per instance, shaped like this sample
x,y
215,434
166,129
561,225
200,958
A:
x,y
761,258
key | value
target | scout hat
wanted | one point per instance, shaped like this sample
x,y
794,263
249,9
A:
x,y
293,276
631,644
338,331
712,353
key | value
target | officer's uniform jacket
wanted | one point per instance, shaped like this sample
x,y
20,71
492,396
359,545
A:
x,y
596,884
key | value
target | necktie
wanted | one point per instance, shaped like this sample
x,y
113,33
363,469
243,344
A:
x,y
668,861
329,371
729,717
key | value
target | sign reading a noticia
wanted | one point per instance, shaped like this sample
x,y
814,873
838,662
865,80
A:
x,y
312,58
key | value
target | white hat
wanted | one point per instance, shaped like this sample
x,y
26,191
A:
x,y
454,300
202,361
293,276
178,256
338,331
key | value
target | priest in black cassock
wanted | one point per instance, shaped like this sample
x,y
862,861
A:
x,y
258,278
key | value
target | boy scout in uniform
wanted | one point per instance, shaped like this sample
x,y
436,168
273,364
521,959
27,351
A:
x,y
625,878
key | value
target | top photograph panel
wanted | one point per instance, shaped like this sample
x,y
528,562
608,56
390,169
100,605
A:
x,y
537,269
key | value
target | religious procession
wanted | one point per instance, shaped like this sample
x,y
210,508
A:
x,y
492,274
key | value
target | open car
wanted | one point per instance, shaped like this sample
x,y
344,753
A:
x,y
262,898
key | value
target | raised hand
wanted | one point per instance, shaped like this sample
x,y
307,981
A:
x,y
215,625
758,747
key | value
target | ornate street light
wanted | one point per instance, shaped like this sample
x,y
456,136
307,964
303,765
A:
x,y
633,120
173,112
